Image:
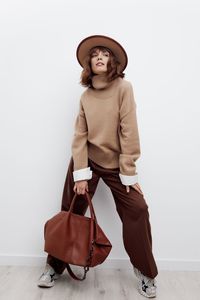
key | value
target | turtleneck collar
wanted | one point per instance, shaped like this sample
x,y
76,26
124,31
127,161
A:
x,y
103,89
99,81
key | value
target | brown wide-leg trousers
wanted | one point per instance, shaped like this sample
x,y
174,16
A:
x,y
133,212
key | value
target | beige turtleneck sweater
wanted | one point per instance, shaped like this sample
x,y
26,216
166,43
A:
x,y
106,130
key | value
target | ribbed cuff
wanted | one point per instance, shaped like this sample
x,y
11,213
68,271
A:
x,y
128,179
82,174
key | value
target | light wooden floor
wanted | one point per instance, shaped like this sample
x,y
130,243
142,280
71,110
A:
x,y
19,283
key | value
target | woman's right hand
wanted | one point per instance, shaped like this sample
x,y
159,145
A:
x,y
81,186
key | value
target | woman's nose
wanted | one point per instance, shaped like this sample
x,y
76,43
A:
x,y
99,56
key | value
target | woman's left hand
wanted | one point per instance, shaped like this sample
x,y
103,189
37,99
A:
x,y
135,186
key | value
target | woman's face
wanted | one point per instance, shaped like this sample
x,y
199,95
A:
x,y
99,60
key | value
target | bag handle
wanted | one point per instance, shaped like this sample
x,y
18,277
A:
x,y
87,197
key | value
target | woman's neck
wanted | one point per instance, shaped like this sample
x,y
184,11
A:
x,y
99,81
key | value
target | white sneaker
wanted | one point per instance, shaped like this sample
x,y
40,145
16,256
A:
x,y
48,276
146,285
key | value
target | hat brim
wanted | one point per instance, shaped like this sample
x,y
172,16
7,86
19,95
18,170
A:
x,y
101,40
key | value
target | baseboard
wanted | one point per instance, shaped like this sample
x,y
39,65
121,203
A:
x,y
162,264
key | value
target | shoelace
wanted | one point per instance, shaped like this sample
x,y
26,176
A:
x,y
149,283
152,282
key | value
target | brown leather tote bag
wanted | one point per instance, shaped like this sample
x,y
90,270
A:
x,y
76,239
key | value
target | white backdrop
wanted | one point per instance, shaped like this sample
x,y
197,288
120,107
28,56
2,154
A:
x,y
39,97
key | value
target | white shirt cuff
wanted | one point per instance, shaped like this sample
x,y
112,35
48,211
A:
x,y
82,174
128,179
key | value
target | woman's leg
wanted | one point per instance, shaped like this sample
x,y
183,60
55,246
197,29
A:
x,y
80,206
133,212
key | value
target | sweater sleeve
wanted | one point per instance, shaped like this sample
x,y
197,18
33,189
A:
x,y
79,147
129,138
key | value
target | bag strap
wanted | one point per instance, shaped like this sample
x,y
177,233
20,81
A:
x,y
93,221
86,269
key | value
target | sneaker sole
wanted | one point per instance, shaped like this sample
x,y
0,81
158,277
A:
x,y
45,284
50,284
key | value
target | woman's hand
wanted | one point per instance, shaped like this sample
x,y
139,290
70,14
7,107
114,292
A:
x,y
81,186
135,186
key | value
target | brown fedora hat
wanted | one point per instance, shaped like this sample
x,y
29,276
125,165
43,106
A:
x,y
101,40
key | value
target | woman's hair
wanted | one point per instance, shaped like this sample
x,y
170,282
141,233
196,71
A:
x,y
113,67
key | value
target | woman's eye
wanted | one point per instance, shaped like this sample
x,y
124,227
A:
x,y
95,54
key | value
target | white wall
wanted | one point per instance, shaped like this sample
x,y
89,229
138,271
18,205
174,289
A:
x,y
39,101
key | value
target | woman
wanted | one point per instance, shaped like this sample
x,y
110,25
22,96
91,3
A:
x,y
106,145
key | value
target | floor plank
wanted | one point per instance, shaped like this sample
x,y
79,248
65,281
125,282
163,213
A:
x,y
20,283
